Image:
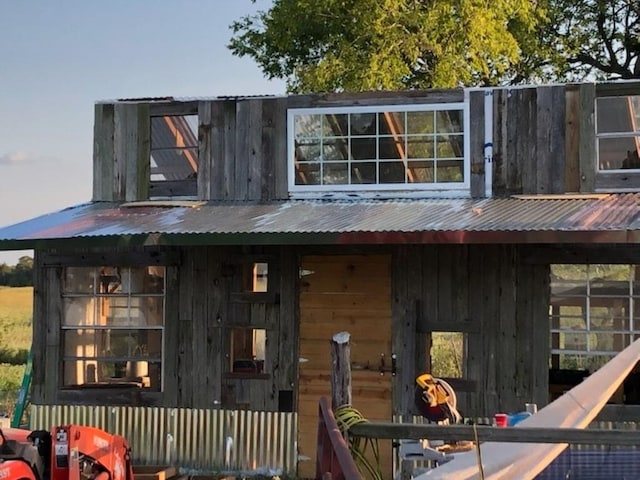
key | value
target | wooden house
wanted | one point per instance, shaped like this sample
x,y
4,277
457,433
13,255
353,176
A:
x,y
228,240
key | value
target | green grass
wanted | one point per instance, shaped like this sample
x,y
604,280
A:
x,y
16,313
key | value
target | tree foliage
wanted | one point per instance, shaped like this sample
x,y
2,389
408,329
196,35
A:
x,y
355,45
20,275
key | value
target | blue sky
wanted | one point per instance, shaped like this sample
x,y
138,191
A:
x,y
57,58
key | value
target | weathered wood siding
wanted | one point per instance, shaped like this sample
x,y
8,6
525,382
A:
x,y
499,303
496,294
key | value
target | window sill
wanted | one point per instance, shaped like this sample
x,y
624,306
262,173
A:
x,y
250,376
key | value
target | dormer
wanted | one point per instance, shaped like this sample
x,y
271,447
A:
x,y
478,143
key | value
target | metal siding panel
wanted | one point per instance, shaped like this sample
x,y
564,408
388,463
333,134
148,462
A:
x,y
195,439
158,223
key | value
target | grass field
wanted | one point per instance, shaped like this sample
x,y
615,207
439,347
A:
x,y
16,313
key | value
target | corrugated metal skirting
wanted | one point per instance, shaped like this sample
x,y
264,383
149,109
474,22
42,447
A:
x,y
192,439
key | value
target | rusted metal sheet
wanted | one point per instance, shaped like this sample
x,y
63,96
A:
x,y
609,218
199,440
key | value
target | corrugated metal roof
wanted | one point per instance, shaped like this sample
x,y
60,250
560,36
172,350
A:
x,y
611,218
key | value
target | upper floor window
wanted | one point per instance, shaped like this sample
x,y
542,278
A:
x,y
378,148
174,155
618,132
113,326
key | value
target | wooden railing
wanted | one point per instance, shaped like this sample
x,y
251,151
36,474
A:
x,y
333,460
492,434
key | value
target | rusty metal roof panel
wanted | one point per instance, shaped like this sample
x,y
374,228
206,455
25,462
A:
x,y
349,220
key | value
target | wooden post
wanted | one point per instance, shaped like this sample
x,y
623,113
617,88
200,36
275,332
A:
x,y
340,370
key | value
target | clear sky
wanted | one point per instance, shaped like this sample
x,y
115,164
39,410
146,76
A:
x,y
57,58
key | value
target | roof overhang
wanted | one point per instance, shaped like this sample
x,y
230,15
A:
x,y
611,219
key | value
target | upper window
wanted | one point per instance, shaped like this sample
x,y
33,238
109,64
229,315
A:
x,y
618,132
400,147
113,326
174,155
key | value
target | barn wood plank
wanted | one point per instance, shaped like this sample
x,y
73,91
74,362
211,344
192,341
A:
x,y
500,142
39,349
550,139
365,302
199,316
205,149
54,314
587,134
103,154
572,140
223,149
140,168
171,331
274,149
477,133
124,141
507,333
286,367
187,288
524,132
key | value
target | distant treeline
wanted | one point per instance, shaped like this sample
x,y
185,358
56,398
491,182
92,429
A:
x,y
19,275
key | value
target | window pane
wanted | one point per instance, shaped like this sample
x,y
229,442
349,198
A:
x,y
174,164
308,174
123,344
392,172
391,123
364,148
174,147
573,340
307,126
450,171
335,149
335,125
174,131
79,311
78,280
421,172
420,122
308,151
100,372
449,121
420,147
614,317
363,172
336,173
392,147
618,114
447,354
363,123
618,153
248,347
449,146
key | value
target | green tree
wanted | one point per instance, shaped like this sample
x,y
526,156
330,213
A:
x,y
356,45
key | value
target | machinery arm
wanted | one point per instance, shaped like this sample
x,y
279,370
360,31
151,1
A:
x,y
76,448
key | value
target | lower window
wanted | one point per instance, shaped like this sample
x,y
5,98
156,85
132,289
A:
x,y
594,313
113,326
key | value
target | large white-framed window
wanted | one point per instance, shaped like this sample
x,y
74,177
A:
x,y
412,148
113,326
618,133
594,313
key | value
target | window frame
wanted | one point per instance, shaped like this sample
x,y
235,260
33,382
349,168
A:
x,y
458,189
96,296
633,135
185,188
627,335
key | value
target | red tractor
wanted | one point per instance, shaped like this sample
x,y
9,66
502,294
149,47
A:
x,y
70,452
